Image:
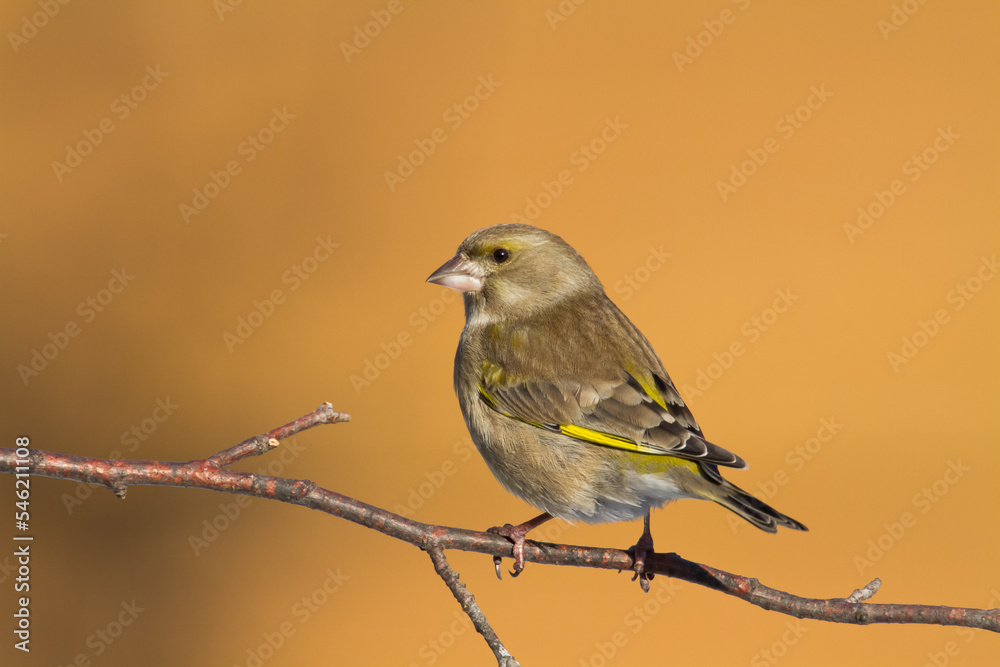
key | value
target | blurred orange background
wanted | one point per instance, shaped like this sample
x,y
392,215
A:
x,y
218,215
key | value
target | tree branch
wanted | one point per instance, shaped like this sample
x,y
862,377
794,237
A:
x,y
211,474
469,606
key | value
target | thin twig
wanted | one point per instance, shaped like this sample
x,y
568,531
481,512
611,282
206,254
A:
x,y
209,474
260,444
471,608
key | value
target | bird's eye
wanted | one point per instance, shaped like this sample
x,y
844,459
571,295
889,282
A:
x,y
501,255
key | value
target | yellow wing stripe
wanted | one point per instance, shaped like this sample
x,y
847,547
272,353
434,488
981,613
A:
x,y
582,433
608,440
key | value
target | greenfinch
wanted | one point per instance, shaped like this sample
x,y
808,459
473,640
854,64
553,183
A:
x,y
566,400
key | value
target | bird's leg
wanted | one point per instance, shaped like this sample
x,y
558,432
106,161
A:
x,y
516,535
639,552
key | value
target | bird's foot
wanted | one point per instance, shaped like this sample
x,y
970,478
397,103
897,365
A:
x,y
516,535
639,552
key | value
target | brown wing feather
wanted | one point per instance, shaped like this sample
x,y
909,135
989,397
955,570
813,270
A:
x,y
611,400
546,403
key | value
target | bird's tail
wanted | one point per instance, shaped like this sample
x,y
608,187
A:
x,y
755,511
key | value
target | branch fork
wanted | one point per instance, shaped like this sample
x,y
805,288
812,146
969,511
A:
x,y
212,473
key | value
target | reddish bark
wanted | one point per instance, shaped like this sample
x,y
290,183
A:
x,y
211,474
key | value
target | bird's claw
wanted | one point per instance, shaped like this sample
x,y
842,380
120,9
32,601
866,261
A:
x,y
643,580
516,535
639,551
496,564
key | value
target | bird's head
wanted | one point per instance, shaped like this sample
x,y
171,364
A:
x,y
512,270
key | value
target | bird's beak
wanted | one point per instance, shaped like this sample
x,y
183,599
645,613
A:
x,y
460,274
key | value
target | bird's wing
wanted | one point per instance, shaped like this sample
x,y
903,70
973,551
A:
x,y
638,411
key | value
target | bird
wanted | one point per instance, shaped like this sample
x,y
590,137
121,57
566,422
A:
x,y
567,401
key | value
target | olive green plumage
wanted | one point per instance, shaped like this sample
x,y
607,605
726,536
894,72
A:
x,y
564,397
